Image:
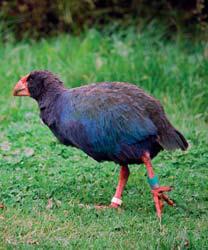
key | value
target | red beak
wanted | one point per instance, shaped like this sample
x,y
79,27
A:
x,y
21,88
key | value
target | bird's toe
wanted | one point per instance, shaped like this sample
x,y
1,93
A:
x,y
112,205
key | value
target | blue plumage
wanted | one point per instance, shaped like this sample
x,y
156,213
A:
x,y
103,126
109,121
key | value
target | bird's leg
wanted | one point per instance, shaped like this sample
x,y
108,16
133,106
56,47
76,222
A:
x,y
116,200
157,190
123,178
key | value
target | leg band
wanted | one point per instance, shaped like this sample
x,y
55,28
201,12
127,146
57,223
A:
x,y
153,182
116,201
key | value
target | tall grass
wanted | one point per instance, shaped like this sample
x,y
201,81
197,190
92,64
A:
x,y
168,70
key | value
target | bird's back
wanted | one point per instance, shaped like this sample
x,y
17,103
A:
x,y
110,121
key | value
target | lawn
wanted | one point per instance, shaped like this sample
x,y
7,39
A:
x,y
48,190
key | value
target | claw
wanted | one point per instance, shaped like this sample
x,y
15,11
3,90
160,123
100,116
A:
x,y
159,197
167,199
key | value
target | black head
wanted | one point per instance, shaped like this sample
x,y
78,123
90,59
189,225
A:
x,y
37,83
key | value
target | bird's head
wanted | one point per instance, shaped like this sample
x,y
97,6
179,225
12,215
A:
x,y
36,84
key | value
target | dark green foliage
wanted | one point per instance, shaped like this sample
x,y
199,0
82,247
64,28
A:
x,y
36,18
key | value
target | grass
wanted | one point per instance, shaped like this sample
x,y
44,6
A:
x,y
48,190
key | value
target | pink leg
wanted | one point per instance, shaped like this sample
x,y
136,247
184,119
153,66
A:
x,y
147,161
123,178
157,191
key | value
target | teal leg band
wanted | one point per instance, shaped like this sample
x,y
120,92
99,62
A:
x,y
154,182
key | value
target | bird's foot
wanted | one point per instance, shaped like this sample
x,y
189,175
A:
x,y
159,197
112,205
115,203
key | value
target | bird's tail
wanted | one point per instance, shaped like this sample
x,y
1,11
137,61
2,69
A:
x,y
172,139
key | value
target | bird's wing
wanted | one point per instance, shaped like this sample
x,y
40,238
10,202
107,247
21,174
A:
x,y
104,120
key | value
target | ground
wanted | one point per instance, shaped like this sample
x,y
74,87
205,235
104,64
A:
x,y
47,190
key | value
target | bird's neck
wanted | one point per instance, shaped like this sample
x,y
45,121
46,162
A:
x,y
49,97
47,104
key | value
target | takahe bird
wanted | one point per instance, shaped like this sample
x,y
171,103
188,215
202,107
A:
x,y
109,121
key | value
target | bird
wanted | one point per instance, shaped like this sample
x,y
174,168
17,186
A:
x,y
109,121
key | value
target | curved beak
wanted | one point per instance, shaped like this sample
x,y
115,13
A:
x,y
21,88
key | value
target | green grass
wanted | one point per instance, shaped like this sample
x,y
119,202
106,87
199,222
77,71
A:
x,y
35,168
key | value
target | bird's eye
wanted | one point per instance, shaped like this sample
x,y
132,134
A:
x,y
29,77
